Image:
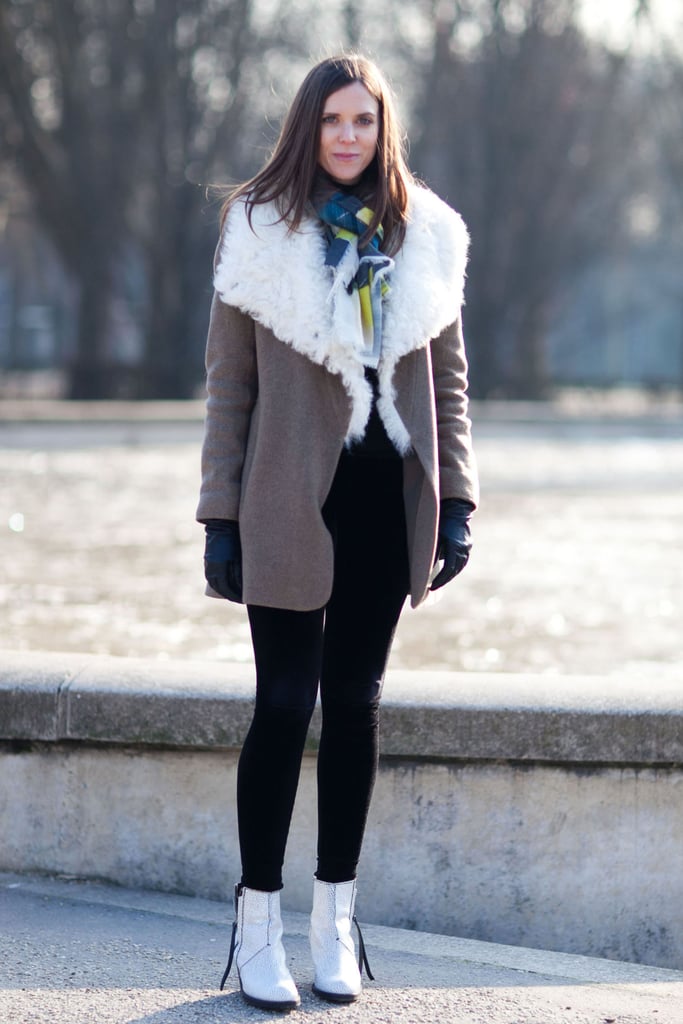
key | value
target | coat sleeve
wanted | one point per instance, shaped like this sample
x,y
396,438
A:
x,y
232,387
457,464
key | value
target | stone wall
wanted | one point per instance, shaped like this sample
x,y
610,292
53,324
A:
x,y
543,812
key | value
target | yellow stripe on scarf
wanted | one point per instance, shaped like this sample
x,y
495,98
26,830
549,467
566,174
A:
x,y
364,295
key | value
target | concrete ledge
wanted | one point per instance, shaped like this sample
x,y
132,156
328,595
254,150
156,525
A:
x,y
442,716
540,812
94,699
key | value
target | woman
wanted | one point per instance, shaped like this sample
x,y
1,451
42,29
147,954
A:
x,y
337,467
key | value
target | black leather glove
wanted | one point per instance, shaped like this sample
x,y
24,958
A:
x,y
454,544
223,558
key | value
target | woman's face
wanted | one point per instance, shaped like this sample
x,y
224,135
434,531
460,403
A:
x,y
348,133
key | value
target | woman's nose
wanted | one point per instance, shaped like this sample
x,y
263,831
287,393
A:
x,y
348,132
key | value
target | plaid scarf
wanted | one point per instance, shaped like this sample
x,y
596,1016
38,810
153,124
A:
x,y
359,273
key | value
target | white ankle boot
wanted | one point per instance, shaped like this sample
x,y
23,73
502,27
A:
x,y
337,973
259,954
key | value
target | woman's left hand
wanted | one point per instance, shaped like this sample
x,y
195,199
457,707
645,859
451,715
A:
x,y
454,543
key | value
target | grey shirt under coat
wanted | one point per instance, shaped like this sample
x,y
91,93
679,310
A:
x,y
279,410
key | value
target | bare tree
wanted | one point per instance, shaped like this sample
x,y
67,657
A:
x,y
113,112
70,102
192,103
524,129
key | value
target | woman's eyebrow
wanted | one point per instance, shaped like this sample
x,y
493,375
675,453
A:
x,y
361,113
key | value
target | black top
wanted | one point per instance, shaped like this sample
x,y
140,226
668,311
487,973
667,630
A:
x,y
375,444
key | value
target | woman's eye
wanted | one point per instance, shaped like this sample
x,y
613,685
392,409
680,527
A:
x,y
365,120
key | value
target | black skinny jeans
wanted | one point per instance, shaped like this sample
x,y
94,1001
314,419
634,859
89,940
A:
x,y
344,647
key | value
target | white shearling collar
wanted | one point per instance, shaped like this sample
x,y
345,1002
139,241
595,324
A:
x,y
279,278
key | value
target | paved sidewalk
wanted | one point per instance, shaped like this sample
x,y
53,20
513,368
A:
x,y
80,952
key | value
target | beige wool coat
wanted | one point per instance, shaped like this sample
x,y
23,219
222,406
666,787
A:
x,y
286,391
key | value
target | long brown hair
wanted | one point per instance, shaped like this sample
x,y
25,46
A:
x,y
290,175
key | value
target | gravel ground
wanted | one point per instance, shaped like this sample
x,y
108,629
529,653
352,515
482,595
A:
x,y
576,568
82,953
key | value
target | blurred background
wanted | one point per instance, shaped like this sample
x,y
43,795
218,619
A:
x,y
554,126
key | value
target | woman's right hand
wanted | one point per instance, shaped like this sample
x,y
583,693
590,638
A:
x,y
223,558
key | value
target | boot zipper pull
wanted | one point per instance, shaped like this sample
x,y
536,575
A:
x,y
362,955
233,943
